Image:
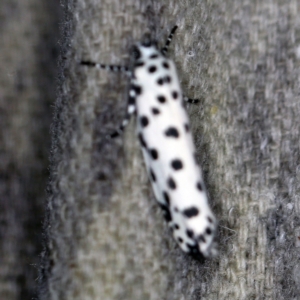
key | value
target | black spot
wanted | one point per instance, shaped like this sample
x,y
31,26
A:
x,y
166,213
199,186
161,99
137,89
142,141
172,132
147,42
175,95
191,212
139,64
176,209
153,153
152,69
51,263
153,177
153,56
131,101
194,251
155,111
201,238
160,81
208,231
193,248
180,240
176,226
190,233
209,219
166,197
171,183
177,164
136,53
187,127
114,134
144,121
165,65
167,79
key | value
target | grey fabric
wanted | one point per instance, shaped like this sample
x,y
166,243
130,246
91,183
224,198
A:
x,y
107,239
105,235
28,53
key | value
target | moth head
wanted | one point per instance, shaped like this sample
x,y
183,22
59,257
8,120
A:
x,y
142,52
148,42
145,49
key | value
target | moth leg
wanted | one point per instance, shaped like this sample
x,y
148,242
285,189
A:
x,y
164,50
131,109
131,102
113,68
189,100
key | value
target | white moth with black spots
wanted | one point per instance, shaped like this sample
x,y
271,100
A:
x,y
163,129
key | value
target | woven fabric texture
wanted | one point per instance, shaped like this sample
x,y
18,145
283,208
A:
x,y
105,236
28,54
107,239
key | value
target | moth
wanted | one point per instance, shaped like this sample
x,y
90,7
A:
x,y
163,129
